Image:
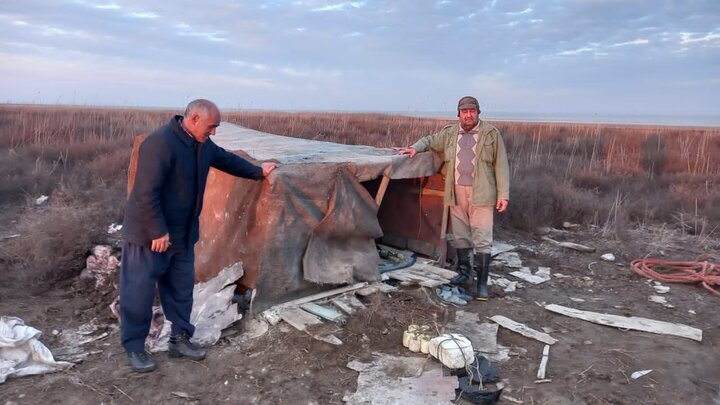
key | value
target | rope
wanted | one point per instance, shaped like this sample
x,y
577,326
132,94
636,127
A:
x,y
705,272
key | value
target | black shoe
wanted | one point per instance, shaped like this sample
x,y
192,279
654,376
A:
x,y
141,362
181,346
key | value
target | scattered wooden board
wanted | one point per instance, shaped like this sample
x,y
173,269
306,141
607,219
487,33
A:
x,y
543,363
272,314
428,268
374,288
570,245
342,304
631,322
299,319
523,330
415,278
323,312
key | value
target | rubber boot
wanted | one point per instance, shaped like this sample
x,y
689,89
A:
x,y
482,271
464,267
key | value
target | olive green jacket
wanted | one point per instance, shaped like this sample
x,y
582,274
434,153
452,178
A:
x,y
492,172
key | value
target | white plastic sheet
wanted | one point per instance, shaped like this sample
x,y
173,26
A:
x,y
21,353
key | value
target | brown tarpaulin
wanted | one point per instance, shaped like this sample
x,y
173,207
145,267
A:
x,y
311,222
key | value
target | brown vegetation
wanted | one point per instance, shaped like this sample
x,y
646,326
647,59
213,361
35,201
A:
x,y
606,175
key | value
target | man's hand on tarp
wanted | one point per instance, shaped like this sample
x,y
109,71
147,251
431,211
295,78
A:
x,y
268,167
405,151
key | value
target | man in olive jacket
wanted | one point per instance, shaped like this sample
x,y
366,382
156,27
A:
x,y
477,181
161,227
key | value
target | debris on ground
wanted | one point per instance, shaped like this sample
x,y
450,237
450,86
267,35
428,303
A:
x,y
660,300
639,374
541,275
570,245
507,285
41,200
101,265
543,363
72,341
22,353
659,288
608,257
631,322
6,237
114,228
523,329
393,380
446,295
507,259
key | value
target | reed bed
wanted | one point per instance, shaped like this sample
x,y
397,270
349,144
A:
x,y
610,176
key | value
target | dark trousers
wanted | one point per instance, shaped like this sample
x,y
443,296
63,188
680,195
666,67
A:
x,y
173,271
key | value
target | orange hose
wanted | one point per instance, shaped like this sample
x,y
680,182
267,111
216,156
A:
x,y
707,273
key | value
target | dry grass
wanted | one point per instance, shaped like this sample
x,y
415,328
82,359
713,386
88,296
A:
x,y
607,175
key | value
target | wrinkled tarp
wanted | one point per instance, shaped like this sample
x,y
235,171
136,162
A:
x,y
21,353
311,222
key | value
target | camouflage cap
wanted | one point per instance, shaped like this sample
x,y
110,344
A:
x,y
468,102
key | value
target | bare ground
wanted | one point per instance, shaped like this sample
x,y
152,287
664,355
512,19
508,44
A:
x,y
591,364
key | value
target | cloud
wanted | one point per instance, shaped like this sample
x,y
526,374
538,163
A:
x,y
110,6
515,13
254,66
578,51
635,42
359,54
143,15
687,38
341,6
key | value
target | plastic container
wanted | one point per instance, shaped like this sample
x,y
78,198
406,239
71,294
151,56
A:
x,y
411,330
425,343
452,350
414,343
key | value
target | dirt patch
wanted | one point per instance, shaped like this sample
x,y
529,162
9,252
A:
x,y
590,364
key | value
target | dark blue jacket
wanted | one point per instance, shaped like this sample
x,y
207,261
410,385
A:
x,y
167,197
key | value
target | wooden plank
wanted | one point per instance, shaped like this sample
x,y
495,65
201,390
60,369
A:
x,y
429,268
271,314
323,312
402,275
381,191
630,322
373,288
343,304
523,330
355,302
299,319
431,276
543,363
570,245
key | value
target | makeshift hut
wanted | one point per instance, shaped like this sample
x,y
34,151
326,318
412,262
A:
x,y
315,222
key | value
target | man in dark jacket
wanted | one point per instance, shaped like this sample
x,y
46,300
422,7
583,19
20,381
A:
x,y
161,227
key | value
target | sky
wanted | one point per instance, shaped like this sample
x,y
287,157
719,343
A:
x,y
635,57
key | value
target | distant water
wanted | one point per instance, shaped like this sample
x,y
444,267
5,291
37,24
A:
x,y
670,120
